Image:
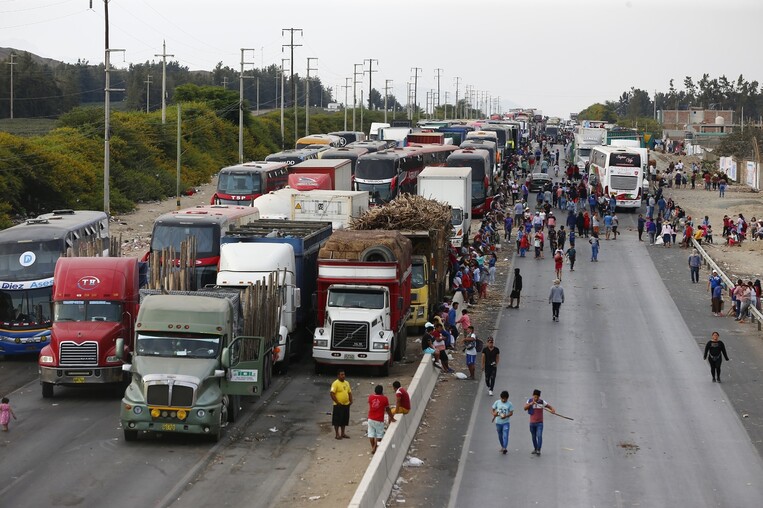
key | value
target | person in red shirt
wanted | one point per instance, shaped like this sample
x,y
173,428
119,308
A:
x,y
378,404
402,400
535,407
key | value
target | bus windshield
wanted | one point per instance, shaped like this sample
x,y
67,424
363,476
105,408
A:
x,y
25,306
356,299
170,235
239,182
181,345
478,190
43,256
378,192
375,169
584,152
79,310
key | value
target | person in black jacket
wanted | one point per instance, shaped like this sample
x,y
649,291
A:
x,y
516,289
715,351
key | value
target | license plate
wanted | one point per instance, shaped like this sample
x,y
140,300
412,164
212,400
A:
x,y
78,380
31,348
349,356
168,426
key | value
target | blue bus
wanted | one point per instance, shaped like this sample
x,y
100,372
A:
x,y
28,255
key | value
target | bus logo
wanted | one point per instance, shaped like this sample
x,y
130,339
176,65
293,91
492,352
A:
x,y
27,259
88,282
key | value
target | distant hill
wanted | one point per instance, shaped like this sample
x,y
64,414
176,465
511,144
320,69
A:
x,y
4,52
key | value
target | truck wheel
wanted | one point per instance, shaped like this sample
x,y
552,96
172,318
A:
x,y
384,369
131,435
268,373
282,367
47,390
234,405
318,369
400,345
222,419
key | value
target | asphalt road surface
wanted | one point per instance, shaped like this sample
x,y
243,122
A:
x,y
649,428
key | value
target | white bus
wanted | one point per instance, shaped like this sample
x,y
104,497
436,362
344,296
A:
x,y
617,170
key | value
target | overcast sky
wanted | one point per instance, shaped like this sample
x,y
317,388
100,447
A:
x,y
556,55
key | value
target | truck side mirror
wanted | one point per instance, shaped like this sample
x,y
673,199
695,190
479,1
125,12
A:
x,y
298,297
225,358
119,349
314,300
399,303
466,215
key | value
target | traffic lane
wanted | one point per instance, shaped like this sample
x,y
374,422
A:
x,y
281,456
69,451
16,371
620,363
742,376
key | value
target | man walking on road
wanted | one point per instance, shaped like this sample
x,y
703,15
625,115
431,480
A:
x,y
695,261
714,349
491,356
516,290
556,299
502,411
341,394
535,407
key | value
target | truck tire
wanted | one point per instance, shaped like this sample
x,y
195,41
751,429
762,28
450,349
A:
x,y
234,406
318,368
282,367
378,253
384,369
400,345
47,390
222,419
268,373
131,435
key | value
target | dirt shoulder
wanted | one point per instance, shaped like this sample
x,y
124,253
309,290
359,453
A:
x,y
743,261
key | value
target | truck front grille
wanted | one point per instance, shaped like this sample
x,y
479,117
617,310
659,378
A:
x,y
78,355
162,395
349,336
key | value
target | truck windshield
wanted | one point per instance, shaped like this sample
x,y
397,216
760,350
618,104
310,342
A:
x,y
79,310
456,216
239,182
417,276
171,346
25,306
356,299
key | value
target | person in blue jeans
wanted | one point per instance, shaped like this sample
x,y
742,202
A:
x,y
535,407
722,188
502,410
594,241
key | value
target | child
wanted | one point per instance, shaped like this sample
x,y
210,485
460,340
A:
x,y
5,413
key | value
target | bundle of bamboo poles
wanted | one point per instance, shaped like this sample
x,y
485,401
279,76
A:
x,y
261,308
173,271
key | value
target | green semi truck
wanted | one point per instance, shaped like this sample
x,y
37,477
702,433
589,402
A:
x,y
192,362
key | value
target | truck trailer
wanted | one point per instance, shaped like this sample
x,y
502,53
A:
x,y
451,185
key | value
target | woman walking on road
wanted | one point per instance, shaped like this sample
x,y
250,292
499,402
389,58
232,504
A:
x,y
714,349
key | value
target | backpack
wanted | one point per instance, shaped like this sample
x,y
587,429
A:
x,y
479,345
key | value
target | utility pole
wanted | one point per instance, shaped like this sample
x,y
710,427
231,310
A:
x,y
386,95
148,92
445,113
361,110
291,45
438,72
355,89
346,87
457,80
415,86
241,105
12,63
409,99
307,96
655,106
164,56
225,81
258,96
177,168
370,77
283,134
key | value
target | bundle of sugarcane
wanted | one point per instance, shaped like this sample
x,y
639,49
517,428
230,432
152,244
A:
x,y
406,212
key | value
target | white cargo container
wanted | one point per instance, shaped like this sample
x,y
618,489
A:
x,y
335,206
454,187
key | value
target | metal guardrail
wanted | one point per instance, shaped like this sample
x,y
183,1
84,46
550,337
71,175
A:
x,y
755,315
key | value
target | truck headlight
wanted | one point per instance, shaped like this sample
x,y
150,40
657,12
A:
x,y
201,413
137,410
381,345
46,359
420,312
112,359
321,343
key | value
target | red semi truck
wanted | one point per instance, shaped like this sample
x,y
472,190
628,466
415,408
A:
x,y
95,303
364,299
